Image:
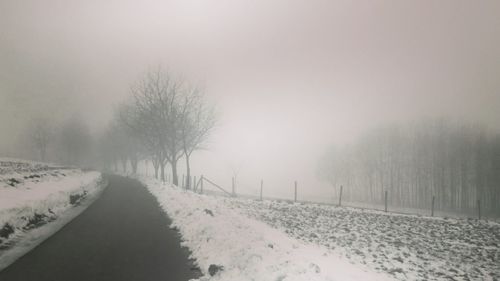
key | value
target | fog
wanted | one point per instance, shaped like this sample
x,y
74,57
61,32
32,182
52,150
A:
x,y
289,79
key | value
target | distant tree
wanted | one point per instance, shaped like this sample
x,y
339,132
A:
x,y
40,133
141,118
455,163
75,142
130,143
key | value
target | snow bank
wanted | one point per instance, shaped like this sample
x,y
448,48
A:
x,y
247,249
37,199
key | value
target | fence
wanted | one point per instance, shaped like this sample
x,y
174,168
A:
x,y
199,185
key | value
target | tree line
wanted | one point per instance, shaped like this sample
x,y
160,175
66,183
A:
x,y
457,164
68,142
166,120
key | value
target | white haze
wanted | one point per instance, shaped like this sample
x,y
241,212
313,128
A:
x,y
288,78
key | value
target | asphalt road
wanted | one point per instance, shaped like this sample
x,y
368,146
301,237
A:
x,y
123,235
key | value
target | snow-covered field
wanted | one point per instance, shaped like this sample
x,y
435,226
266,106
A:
x,y
228,245
34,195
406,246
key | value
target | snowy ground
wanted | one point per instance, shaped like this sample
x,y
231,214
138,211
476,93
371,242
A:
x,y
35,195
404,246
227,245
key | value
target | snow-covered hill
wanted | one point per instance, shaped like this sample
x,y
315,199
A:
x,y
38,195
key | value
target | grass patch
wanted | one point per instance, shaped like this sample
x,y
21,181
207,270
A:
x,y
36,220
6,231
74,199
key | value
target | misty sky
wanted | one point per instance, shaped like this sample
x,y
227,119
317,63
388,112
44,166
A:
x,y
288,78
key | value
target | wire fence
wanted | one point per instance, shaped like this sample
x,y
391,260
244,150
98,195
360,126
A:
x,y
203,185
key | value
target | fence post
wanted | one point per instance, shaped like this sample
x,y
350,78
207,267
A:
x,y
340,196
194,183
432,206
201,185
261,187
232,186
295,197
385,201
183,186
479,209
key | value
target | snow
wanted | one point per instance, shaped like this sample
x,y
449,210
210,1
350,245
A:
x,y
37,199
247,249
409,247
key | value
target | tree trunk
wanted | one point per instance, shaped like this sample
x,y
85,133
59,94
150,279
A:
x,y
162,166
188,172
156,166
133,163
175,179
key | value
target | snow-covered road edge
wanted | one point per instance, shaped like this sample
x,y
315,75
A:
x,y
231,246
26,241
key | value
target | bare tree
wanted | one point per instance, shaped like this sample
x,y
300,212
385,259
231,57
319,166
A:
x,y
164,121
144,118
158,118
197,122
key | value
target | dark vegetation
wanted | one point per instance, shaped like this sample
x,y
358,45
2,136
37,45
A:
x,y
37,219
6,231
75,199
213,269
13,182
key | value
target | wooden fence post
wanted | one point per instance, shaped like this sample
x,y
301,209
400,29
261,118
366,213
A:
x,y
261,187
194,183
183,186
340,196
479,209
432,206
201,185
385,201
295,197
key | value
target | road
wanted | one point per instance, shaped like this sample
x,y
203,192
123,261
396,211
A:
x,y
123,235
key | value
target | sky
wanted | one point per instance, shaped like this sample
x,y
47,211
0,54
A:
x,y
288,78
